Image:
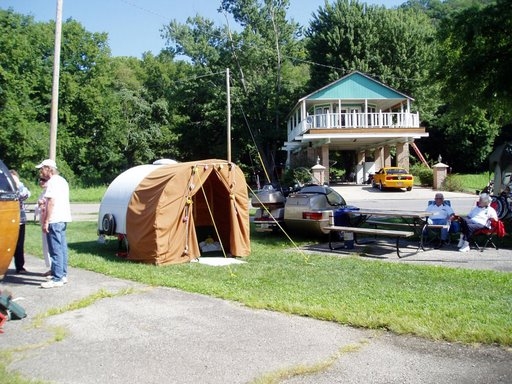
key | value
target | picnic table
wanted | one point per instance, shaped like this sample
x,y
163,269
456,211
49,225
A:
x,y
416,223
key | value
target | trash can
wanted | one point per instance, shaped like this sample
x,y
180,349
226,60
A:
x,y
342,218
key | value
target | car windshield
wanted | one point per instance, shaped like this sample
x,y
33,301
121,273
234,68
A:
x,y
334,198
396,172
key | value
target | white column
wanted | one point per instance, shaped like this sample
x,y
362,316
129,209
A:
x,y
366,113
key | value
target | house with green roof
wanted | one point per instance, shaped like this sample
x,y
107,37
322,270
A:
x,y
357,114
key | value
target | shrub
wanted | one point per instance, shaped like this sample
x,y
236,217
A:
x,y
424,174
452,183
295,176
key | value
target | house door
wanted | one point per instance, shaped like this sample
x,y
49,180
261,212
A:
x,y
321,117
353,117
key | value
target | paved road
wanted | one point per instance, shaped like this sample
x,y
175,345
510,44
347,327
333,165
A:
x,y
417,199
159,335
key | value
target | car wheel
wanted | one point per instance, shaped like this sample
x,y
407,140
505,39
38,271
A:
x,y
381,187
409,188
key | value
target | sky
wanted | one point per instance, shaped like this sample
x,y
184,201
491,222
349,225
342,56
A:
x,y
134,26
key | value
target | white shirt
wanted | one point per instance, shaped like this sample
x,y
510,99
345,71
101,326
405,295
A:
x,y
57,189
481,215
441,212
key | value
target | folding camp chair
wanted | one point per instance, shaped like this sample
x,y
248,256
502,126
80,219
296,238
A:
x,y
497,230
434,229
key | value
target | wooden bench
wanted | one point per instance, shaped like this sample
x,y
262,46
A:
x,y
422,230
376,222
370,231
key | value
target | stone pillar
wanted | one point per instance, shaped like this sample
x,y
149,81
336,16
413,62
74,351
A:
x,y
361,157
440,172
319,172
310,155
402,155
387,156
325,161
378,157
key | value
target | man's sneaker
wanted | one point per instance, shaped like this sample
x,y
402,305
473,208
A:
x,y
461,243
52,284
465,247
64,279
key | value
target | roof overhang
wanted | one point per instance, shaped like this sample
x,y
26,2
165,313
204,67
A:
x,y
352,141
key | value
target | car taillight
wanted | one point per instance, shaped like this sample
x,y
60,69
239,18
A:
x,y
408,178
390,177
312,215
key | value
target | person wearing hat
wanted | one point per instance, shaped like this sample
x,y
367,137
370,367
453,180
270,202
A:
x,y
19,252
442,214
58,214
477,218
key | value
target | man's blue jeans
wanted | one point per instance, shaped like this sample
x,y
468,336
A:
x,y
58,249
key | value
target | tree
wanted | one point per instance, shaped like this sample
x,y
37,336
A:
x,y
25,62
475,52
266,79
396,46
477,57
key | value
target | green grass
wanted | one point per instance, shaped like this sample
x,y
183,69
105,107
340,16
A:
x,y
87,195
76,194
438,303
473,182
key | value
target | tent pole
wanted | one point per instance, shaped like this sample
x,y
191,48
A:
x,y
229,115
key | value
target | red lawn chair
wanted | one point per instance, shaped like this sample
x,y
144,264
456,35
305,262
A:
x,y
497,230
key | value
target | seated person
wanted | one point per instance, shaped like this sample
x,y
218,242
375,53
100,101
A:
x,y
477,219
442,214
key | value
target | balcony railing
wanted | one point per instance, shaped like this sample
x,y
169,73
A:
x,y
356,120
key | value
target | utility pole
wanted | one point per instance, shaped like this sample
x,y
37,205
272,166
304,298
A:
x,y
228,93
54,112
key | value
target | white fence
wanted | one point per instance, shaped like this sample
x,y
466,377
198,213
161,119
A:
x,y
356,120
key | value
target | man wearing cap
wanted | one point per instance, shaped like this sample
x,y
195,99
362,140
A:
x,y
442,214
58,214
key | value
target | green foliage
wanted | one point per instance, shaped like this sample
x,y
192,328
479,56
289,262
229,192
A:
x,y
476,58
469,182
423,173
394,45
264,79
452,183
452,56
296,176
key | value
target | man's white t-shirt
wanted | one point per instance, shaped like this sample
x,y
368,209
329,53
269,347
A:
x,y
481,215
441,212
57,189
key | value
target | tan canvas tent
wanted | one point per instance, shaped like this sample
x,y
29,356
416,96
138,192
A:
x,y
166,210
